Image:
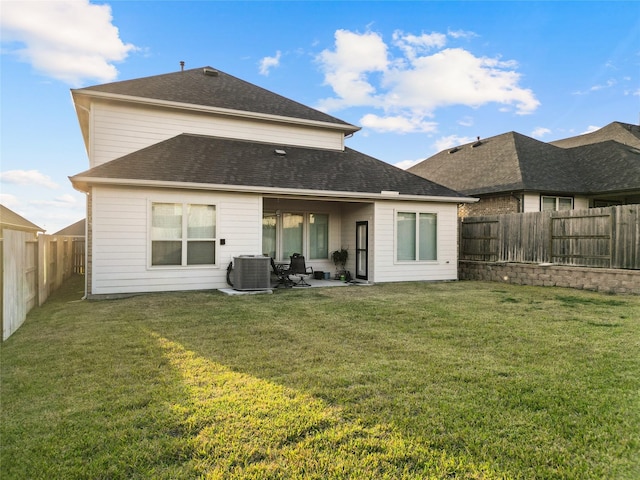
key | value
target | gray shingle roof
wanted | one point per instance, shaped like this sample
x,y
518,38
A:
x,y
220,161
220,90
11,220
74,230
514,162
624,133
608,167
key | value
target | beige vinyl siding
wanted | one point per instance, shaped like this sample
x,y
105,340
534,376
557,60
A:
x,y
531,202
118,130
387,269
121,239
580,203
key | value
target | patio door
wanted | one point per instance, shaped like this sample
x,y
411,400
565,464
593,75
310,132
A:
x,y
362,250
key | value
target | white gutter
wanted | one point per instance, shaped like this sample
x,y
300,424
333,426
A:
x,y
215,110
80,183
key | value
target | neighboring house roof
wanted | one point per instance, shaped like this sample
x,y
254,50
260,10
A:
x,y
514,162
506,162
215,162
74,230
608,167
11,220
624,133
213,88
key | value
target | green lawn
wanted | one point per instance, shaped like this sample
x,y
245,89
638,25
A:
x,y
412,380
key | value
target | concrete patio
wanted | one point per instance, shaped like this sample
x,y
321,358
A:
x,y
313,283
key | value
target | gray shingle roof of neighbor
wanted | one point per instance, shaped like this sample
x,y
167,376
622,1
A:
x,y
74,230
607,166
220,161
12,221
210,87
506,162
514,162
624,133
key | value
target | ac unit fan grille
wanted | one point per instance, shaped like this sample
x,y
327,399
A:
x,y
251,273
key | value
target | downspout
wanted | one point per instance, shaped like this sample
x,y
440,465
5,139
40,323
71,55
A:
x,y
519,200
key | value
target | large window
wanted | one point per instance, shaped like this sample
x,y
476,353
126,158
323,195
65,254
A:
x,y
269,245
416,236
285,233
318,236
292,224
550,204
183,234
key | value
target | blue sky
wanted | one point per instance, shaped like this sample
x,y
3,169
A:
x,y
418,77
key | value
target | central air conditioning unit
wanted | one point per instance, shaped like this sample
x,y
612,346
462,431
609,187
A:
x,y
251,272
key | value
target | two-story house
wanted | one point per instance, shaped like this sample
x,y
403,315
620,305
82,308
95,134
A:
x,y
193,168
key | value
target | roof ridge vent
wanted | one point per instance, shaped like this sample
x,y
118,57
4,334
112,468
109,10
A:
x,y
477,144
454,150
210,72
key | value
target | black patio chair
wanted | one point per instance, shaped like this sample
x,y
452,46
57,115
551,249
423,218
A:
x,y
298,267
281,272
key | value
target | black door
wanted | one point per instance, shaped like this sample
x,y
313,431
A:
x,y
362,250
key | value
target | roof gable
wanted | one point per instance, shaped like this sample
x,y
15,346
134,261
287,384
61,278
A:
x,y
201,159
213,88
11,220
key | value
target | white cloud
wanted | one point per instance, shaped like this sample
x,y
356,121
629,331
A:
x,y
346,68
27,177
450,141
595,88
64,201
267,63
9,201
413,45
397,124
466,121
540,132
70,40
406,164
454,76
461,34
420,78
590,129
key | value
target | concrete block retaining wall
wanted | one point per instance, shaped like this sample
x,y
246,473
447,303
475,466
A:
x,y
598,279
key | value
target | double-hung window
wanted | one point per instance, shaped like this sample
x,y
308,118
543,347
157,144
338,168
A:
x,y
416,236
183,234
551,204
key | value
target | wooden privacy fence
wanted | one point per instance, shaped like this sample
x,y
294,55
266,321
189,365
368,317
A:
x,y
599,237
31,270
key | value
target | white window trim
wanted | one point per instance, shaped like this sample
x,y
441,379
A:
x,y
557,199
395,238
184,240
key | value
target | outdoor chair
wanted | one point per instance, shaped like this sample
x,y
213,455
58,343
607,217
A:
x,y
297,267
282,273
